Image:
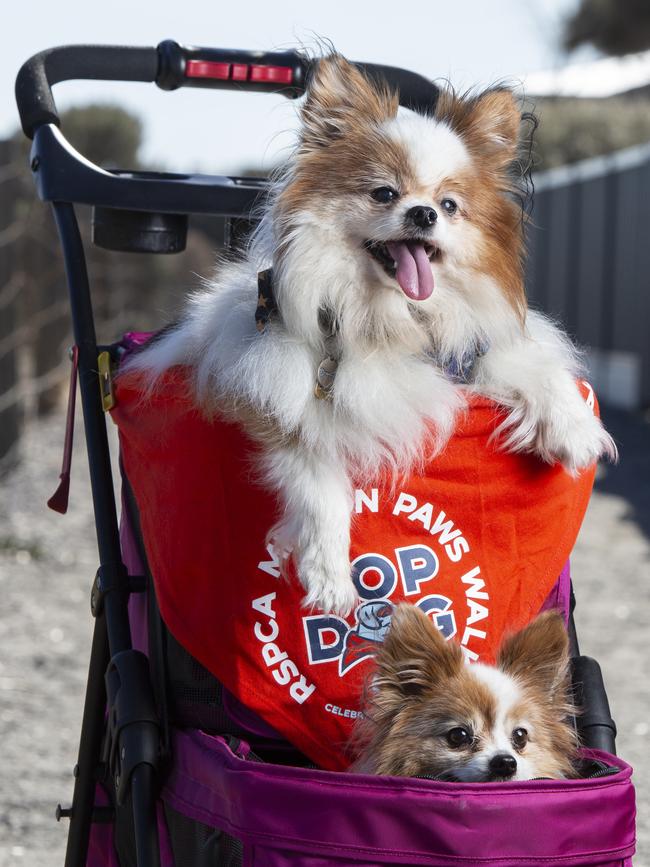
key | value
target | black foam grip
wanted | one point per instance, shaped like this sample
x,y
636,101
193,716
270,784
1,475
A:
x,y
34,82
595,723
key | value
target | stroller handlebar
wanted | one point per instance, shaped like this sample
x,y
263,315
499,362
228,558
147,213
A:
x,y
36,76
171,66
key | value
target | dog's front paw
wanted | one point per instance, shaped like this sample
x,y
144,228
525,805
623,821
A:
x,y
323,571
328,582
568,432
576,439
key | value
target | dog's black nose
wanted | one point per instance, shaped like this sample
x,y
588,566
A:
x,y
421,216
502,765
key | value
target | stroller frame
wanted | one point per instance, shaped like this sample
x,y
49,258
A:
x,y
147,212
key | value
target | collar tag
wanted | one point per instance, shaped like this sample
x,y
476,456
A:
x,y
104,368
267,307
325,377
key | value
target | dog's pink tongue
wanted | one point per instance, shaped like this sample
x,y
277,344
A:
x,y
414,273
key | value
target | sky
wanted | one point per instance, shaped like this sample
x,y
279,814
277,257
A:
x,y
470,42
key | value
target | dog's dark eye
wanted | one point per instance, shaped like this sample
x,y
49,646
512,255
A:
x,y
384,195
459,737
519,738
450,206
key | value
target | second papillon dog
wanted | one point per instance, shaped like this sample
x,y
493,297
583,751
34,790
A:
x,y
431,714
383,286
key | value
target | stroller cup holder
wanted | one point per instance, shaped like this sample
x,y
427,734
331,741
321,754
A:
x,y
138,231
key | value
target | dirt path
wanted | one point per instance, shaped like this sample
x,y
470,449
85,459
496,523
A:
x,y
47,563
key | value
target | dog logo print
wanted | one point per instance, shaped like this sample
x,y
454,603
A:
x,y
373,622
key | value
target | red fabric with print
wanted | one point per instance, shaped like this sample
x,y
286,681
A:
x,y
478,541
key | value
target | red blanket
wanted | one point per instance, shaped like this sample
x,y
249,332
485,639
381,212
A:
x,y
478,542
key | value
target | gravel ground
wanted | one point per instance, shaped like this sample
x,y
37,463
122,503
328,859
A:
x,y
47,563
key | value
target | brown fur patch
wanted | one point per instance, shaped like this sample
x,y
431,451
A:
x,y
489,126
338,95
539,653
414,655
364,159
488,123
342,147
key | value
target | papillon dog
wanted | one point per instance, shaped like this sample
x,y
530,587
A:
x,y
383,286
431,714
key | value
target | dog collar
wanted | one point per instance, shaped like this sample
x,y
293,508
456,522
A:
x,y
267,309
266,304
461,368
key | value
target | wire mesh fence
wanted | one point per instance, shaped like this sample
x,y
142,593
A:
x,y
129,293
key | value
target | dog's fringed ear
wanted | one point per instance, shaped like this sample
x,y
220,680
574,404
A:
x,y
339,96
489,123
414,657
539,654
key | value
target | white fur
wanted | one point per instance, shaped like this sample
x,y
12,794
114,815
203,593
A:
x,y
507,694
436,151
389,395
534,375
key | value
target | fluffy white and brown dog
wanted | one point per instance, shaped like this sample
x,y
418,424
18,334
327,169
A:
x,y
396,244
430,714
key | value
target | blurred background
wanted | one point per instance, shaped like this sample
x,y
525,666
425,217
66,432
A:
x,y
583,67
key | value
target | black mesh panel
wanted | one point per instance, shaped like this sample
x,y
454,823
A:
x,y
194,693
197,845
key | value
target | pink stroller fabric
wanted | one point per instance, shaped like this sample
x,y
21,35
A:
x,y
308,818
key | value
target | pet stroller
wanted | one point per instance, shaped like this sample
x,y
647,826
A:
x,y
172,769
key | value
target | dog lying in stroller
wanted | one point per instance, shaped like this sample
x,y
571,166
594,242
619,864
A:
x,y
343,365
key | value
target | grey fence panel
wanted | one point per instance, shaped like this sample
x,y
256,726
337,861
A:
x,y
641,305
537,253
620,290
589,244
558,228
590,283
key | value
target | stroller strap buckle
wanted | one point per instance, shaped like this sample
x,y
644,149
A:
x,y
106,380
